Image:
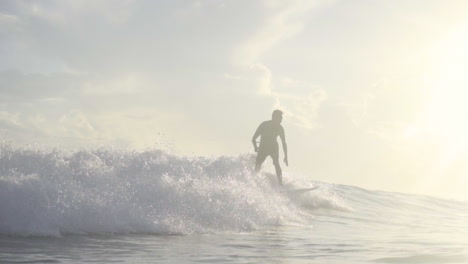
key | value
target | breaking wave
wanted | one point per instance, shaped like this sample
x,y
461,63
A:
x,y
52,192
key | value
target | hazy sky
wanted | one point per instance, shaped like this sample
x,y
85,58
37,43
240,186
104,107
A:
x,y
374,92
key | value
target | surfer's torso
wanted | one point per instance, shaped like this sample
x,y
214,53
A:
x,y
269,132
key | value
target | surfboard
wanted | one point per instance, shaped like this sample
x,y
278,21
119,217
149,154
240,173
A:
x,y
290,190
302,190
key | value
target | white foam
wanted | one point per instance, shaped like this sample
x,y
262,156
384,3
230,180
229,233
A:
x,y
48,192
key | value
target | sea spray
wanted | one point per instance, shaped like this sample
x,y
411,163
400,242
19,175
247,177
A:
x,y
49,192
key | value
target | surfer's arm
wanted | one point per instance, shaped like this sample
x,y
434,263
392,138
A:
x,y
254,138
285,146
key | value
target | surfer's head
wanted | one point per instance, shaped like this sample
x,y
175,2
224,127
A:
x,y
277,116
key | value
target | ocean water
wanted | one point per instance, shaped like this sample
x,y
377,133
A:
x,y
116,206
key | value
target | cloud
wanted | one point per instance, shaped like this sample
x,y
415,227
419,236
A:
x,y
127,84
299,100
301,111
389,107
19,87
113,63
263,79
149,36
67,13
73,126
281,20
76,124
8,21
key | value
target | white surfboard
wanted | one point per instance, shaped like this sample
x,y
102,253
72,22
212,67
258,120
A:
x,y
302,190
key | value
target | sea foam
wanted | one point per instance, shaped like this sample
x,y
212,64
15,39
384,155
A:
x,y
51,192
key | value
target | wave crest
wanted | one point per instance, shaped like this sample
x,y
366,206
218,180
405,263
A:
x,y
48,192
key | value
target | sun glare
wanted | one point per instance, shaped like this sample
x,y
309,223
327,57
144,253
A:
x,y
447,108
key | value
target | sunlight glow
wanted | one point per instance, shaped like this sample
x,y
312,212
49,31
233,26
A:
x,y
447,108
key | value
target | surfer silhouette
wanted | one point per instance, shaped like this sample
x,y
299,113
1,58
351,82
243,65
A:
x,y
268,132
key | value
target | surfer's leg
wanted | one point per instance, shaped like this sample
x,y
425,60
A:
x,y
259,160
275,157
279,172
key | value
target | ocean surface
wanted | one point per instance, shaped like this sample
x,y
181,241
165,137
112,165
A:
x,y
115,206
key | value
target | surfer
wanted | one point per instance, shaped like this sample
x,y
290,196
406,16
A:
x,y
268,132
